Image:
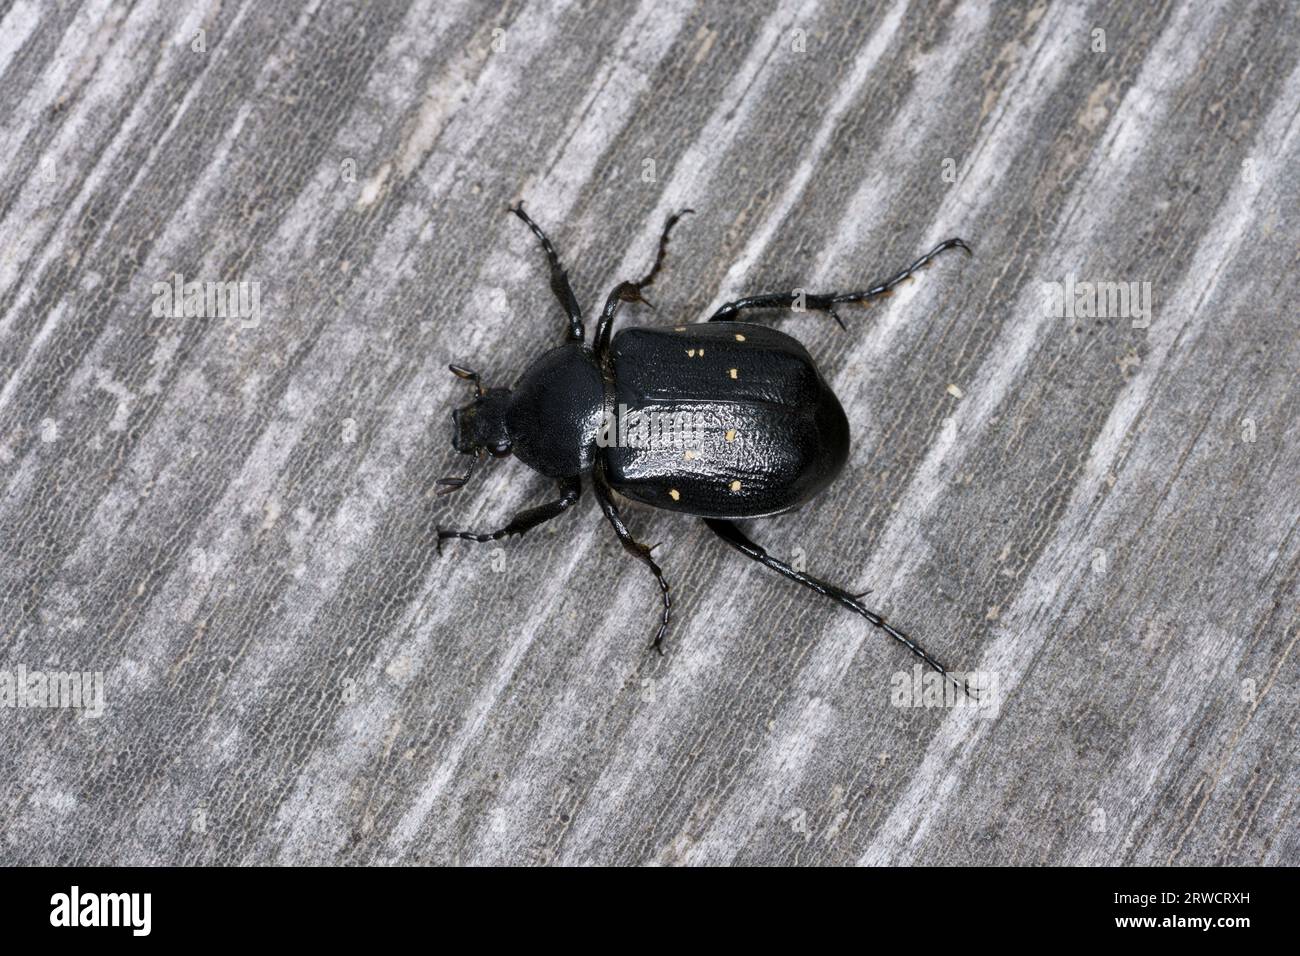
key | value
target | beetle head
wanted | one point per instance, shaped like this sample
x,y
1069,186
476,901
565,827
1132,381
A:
x,y
481,425
478,428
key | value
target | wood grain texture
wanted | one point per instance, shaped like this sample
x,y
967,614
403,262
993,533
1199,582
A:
x,y
233,520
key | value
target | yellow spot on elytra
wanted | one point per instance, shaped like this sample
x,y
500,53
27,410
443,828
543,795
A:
x,y
733,373
739,337
674,494
731,434
690,353
735,486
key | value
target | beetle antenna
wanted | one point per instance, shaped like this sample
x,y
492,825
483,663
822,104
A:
x,y
472,376
453,483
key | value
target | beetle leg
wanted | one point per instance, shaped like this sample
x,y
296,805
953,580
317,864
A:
x,y
728,532
623,292
559,278
526,520
634,548
631,291
825,301
649,277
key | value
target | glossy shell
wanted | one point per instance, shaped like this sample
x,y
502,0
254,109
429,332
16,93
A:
x,y
722,420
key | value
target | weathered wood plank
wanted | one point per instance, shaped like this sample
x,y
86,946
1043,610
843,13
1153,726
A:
x,y
233,520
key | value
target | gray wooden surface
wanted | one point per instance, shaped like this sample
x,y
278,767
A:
x,y
232,520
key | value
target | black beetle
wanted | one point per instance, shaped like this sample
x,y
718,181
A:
x,y
754,430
